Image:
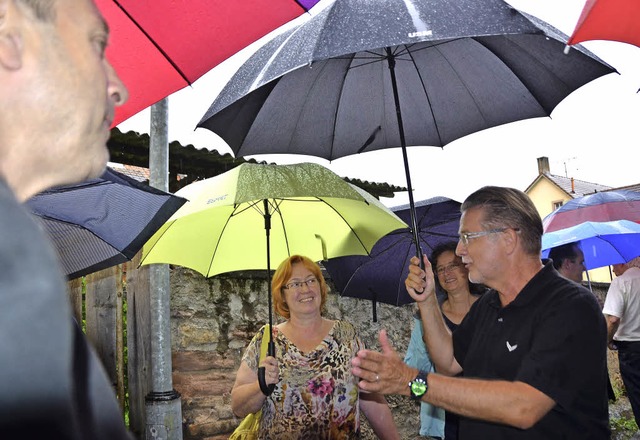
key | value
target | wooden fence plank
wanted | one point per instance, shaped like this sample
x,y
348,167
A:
x,y
138,343
100,310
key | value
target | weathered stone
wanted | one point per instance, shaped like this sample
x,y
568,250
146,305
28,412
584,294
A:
x,y
210,382
200,360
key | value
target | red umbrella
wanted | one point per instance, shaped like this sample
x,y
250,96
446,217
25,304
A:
x,y
161,46
616,20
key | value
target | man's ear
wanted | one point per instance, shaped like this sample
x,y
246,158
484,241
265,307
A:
x,y
10,38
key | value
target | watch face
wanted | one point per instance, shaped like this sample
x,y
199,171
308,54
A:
x,y
418,387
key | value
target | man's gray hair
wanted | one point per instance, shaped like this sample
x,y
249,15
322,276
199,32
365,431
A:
x,y
509,208
42,9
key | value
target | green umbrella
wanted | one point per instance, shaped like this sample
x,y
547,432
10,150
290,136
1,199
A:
x,y
244,218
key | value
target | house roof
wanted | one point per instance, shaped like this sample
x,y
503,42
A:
x,y
138,173
634,187
575,187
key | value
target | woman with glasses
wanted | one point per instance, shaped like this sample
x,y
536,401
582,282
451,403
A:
x,y
315,394
456,295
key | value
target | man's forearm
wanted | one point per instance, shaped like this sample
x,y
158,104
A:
x,y
512,403
613,322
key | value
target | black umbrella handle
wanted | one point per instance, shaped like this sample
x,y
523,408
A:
x,y
267,389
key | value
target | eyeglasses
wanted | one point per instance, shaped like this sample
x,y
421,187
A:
x,y
465,237
448,268
297,285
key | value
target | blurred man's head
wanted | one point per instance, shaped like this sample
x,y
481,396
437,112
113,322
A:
x,y
58,93
568,259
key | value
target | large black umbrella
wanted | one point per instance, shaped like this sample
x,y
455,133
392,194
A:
x,y
380,276
101,222
363,75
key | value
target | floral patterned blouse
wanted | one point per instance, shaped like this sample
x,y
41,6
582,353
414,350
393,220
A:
x,y
317,396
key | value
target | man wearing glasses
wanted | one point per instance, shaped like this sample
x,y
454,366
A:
x,y
532,349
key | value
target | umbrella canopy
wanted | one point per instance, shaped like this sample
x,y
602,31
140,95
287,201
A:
x,y
599,207
311,210
603,243
157,46
361,76
101,222
616,20
381,276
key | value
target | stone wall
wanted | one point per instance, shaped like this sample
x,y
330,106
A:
x,y
214,319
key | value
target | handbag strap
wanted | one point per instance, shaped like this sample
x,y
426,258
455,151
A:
x,y
265,342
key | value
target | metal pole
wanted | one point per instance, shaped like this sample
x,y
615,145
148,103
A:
x,y
162,404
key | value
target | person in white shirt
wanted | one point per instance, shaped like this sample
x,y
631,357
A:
x,y
622,312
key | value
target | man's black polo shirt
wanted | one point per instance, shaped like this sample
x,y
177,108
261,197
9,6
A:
x,y
553,337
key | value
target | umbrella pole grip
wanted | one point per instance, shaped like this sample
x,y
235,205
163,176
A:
x,y
266,389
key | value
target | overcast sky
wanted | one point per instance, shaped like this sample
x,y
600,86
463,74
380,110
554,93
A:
x,y
593,135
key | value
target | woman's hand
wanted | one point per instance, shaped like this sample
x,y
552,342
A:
x,y
271,370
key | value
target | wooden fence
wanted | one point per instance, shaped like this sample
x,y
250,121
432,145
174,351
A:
x,y
105,296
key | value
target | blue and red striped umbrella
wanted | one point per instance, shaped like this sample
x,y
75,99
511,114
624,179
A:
x,y
599,207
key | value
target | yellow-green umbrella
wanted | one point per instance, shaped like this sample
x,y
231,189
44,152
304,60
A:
x,y
255,213
313,212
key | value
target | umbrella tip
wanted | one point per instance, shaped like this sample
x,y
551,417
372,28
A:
x,y
566,49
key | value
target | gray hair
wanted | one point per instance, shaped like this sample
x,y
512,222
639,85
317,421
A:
x,y
509,208
43,10
634,263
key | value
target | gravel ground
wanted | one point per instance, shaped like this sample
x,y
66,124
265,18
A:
x,y
620,413
621,410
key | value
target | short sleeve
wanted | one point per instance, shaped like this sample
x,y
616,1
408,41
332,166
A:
x,y
252,353
614,301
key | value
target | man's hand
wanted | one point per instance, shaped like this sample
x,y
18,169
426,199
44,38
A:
x,y
383,372
420,283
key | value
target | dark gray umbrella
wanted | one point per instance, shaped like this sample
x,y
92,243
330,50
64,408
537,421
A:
x,y
363,75
101,222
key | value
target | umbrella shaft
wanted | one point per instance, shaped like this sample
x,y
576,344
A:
x,y
414,223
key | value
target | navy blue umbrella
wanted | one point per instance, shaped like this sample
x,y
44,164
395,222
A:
x,y
101,222
381,276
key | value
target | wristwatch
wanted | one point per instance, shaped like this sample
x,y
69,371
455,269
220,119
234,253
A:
x,y
418,386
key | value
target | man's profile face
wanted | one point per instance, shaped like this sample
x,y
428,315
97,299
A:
x,y
74,90
573,268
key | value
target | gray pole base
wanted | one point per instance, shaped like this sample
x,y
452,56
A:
x,y
164,416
